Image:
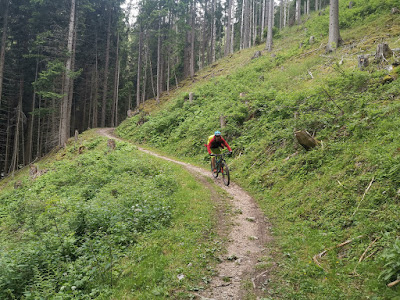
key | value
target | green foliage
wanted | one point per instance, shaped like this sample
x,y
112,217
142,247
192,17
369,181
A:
x,y
391,259
66,234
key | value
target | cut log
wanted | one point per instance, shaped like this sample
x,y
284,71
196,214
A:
x,y
395,11
306,140
362,62
383,52
257,54
351,4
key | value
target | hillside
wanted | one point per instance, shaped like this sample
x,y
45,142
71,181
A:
x,y
341,197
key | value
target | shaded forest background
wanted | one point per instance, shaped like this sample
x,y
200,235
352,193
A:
x,y
68,65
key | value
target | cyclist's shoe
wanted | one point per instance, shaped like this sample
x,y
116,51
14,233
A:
x,y
215,170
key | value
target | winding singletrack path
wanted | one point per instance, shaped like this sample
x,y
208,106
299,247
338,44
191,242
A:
x,y
247,241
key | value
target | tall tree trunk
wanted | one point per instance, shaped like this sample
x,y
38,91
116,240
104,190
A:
x,y
233,30
39,131
264,3
228,29
316,5
270,25
281,14
32,119
139,69
159,61
308,7
204,42
334,34
214,30
105,82
284,12
96,92
3,46
192,40
116,74
71,86
15,156
64,120
7,155
298,11
242,27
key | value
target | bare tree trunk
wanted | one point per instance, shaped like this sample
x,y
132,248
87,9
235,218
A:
x,y
39,132
334,35
233,30
159,61
242,27
139,69
114,110
96,93
117,94
270,25
71,86
214,30
192,40
32,118
15,156
264,3
228,29
3,46
64,121
284,12
151,70
316,5
7,155
105,82
298,11
281,14
308,7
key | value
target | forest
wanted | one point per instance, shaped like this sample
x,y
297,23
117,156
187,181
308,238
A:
x,y
67,66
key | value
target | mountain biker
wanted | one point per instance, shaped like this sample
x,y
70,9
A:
x,y
215,143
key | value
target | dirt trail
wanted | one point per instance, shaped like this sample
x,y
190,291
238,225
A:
x,y
247,240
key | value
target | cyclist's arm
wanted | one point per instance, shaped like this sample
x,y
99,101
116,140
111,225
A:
x,y
209,146
226,144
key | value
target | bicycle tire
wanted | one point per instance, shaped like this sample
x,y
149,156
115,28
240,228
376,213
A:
x,y
215,174
225,174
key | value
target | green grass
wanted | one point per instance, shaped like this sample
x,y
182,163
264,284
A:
x,y
316,199
101,224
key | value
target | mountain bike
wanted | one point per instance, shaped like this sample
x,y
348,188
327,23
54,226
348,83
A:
x,y
221,167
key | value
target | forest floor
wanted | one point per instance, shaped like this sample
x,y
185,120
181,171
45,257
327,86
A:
x,y
243,271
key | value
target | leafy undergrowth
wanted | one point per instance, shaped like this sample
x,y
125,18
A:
x,y
104,225
347,189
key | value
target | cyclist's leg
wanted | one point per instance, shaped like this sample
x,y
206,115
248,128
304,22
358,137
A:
x,y
214,151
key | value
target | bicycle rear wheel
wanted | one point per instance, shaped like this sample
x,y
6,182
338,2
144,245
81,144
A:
x,y
225,174
215,174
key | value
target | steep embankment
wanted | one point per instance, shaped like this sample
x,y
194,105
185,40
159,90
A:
x,y
344,190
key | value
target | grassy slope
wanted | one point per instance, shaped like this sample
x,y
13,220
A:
x,y
98,224
315,199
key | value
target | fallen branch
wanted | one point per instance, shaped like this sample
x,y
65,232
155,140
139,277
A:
x,y
320,255
366,250
393,283
365,192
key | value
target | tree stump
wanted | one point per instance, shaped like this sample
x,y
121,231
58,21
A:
x,y
111,145
191,97
395,11
382,52
222,121
311,40
33,171
257,54
362,62
351,4
305,139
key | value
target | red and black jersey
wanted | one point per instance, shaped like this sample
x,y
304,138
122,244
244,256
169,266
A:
x,y
213,143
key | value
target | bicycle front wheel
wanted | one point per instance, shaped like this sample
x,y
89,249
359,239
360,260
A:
x,y
215,174
225,174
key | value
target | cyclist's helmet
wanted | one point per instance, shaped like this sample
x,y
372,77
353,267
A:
x,y
217,133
